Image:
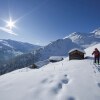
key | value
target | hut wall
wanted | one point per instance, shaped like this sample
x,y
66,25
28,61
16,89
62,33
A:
x,y
76,55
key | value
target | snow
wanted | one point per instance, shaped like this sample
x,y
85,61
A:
x,y
11,48
56,58
77,50
64,80
59,47
97,32
42,63
75,35
85,39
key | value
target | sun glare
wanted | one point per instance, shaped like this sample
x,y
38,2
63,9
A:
x,y
10,24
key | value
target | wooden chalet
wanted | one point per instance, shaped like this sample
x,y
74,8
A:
x,y
76,54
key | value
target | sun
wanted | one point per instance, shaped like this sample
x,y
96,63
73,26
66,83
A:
x,y
10,24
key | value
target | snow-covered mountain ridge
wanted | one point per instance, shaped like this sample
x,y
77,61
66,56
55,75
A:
x,y
85,39
64,80
17,45
11,48
59,47
96,32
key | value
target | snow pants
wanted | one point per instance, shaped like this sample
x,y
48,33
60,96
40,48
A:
x,y
96,60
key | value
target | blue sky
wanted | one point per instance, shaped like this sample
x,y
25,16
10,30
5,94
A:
x,y
42,21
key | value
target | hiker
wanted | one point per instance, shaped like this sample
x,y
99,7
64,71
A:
x,y
96,54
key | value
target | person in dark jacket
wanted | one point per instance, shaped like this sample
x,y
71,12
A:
x,y
96,54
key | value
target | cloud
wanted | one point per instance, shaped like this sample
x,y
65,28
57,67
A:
x,y
7,31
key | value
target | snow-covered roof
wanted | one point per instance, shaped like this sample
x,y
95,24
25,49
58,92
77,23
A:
x,y
77,50
57,58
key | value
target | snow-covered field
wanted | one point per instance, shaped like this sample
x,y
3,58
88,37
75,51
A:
x,y
64,80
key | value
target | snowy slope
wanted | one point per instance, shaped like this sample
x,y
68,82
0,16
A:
x,y
85,39
64,80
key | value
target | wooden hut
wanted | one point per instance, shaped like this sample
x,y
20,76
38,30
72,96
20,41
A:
x,y
33,66
76,54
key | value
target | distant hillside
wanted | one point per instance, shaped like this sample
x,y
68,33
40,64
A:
x,y
10,48
59,47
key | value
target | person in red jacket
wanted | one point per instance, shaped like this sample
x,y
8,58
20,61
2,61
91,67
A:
x,y
96,54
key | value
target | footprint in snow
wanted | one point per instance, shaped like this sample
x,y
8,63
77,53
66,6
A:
x,y
65,81
98,85
65,75
70,98
56,88
59,86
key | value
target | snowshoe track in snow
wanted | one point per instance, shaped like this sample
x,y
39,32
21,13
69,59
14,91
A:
x,y
98,85
55,82
70,98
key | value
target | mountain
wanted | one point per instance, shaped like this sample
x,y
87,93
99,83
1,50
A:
x,y
59,47
10,48
96,32
85,39
64,80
